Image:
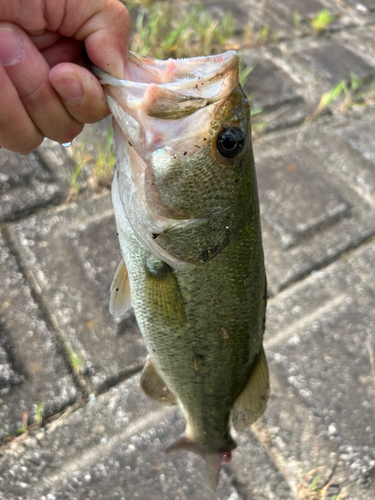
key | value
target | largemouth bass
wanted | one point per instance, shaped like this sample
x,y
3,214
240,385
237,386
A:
x,y
187,214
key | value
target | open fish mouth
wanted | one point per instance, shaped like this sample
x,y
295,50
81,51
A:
x,y
209,77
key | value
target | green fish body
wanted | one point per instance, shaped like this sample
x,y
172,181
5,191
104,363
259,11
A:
x,y
187,213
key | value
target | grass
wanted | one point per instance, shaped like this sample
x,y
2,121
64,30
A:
x,y
104,161
318,22
349,94
321,20
314,487
38,418
74,360
81,157
97,166
23,429
167,30
244,71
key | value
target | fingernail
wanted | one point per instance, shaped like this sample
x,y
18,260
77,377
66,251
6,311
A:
x,y
11,46
69,90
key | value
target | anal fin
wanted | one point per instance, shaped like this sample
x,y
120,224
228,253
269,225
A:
x,y
252,401
120,298
155,387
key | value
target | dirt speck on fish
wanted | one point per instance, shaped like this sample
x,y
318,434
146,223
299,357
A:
x,y
187,214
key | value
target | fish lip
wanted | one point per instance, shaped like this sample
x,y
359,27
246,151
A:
x,y
222,66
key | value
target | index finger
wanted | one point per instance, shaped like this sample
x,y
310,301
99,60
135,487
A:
x,y
103,25
105,34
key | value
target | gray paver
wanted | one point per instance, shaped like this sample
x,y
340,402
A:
x,y
317,193
319,64
273,94
25,184
369,4
73,254
333,62
319,343
113,448
314,202
337,217
33,369
268,86
256,475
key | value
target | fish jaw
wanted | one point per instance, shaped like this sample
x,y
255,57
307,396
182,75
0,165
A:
x,y
167,90
165,121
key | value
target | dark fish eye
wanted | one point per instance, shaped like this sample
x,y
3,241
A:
x,y
230,142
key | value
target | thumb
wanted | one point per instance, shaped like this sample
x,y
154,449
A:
x,y
106,36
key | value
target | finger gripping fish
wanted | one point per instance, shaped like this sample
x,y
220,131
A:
x,y
187,213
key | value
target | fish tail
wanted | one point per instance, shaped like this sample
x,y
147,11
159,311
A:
x,y
214,460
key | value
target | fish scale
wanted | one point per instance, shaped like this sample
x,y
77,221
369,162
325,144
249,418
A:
x,y
189,230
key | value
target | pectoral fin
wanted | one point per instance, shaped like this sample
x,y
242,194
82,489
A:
x,y
120,299
155,387
163,295
252,401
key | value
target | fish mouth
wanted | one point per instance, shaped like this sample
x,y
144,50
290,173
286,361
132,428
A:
x,y
209,77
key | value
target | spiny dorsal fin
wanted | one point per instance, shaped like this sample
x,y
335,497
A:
x,y
154,386
252,401
120,299
163,295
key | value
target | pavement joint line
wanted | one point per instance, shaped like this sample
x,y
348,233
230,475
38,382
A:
x,y
263,437
90,457
48,316
326,262
89,220
118,377
284,335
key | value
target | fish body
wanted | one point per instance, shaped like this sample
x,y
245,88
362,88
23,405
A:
x,y
187,213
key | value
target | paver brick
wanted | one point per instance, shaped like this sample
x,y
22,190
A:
x,y
269,87
325,211
317,193
73,253
333,62
112,448
33,369
319,344
315,203
25,184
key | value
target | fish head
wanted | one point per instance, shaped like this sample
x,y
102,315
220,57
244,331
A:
x,y
183,139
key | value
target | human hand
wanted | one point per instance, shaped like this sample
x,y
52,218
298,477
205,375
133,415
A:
x,y
43,92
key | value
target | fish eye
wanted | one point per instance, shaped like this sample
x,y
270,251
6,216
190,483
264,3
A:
x,y
230,142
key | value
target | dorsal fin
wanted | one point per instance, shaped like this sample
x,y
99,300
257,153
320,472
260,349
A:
x,y
120,299
252,401
154,386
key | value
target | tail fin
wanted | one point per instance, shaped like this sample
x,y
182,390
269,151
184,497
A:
x,y
213,467
214,461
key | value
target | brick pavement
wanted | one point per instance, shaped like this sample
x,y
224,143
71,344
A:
x,y
65,361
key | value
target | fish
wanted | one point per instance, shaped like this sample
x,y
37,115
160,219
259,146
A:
x,y
186,206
